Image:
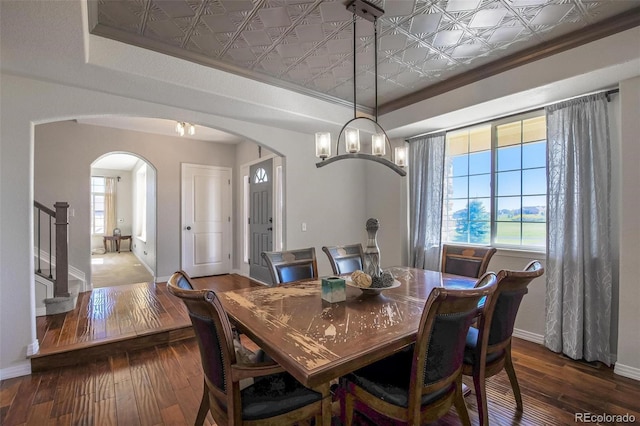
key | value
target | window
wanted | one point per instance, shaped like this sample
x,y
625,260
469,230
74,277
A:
x,y
496,184
98,185
141,203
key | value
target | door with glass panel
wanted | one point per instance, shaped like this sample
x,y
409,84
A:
x,y
260,218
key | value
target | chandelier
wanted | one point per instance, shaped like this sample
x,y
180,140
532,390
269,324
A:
x,y
379,140
182,127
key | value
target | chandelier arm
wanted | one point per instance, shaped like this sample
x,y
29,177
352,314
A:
x,y
386,137
381,160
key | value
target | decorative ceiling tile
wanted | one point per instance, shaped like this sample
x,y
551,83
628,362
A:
x,y
447,38
392,42
220,23
460,5
237,5
309,33
414,55
487,18
274,17
308,43
342,45
550,15
425,24
256,38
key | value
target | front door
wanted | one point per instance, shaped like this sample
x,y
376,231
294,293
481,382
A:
x,y
206,220
261,218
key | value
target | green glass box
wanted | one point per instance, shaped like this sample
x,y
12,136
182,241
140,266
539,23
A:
x,y
333,289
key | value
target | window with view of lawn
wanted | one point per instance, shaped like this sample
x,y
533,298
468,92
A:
x,y
495,183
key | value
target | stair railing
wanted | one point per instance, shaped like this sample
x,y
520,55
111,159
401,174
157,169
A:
x,y
61,217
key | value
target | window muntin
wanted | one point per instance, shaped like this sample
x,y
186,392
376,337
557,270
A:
x,y
495,184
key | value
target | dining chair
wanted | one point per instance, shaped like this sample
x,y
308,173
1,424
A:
x,y
488,347
274,397
345,259
420,383
292,265
468,261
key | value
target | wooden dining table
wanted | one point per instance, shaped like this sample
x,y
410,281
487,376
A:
x,y
317,341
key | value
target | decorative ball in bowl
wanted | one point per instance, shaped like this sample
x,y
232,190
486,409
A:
x,y
372,285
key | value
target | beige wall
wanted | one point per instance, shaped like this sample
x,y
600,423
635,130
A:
x,y
63,154
629,329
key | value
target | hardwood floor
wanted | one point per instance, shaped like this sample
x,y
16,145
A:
x,y
162,384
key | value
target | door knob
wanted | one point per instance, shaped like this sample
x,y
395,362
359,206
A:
x,y
269,229
188,228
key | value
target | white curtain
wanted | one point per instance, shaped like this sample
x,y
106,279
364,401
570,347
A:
x,y
579,250
426,173
109,205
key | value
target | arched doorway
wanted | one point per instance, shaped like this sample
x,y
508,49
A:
x,y
123,211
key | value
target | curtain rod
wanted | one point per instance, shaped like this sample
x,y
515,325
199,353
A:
x,y
607,93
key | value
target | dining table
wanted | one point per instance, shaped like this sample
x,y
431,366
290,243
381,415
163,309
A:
x,y
317,341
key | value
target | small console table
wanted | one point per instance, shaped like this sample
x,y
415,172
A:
x,y
116,239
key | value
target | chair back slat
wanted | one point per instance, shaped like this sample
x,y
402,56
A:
x,y
292,265
345,259
442,335
502,311
468,261
212,329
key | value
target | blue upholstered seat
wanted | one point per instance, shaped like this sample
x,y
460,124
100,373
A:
x,y
291,265
493,335
345,259
418,384
272,393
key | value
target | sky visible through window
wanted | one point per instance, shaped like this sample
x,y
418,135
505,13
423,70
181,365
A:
x,y
515,215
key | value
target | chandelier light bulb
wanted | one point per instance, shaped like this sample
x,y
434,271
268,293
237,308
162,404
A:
x,y
352,137
323,144
377,145
401,156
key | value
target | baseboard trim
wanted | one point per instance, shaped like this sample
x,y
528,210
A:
x,y
529,336
153,274
162,279
21,369
627,371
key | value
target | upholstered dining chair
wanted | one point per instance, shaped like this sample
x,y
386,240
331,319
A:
x,y
468,261
488,347
291,265
345,259
274,397
420,384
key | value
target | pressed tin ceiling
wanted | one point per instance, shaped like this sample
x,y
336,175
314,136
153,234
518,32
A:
x,y
307,45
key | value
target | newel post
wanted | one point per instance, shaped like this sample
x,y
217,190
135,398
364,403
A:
x,y
61,286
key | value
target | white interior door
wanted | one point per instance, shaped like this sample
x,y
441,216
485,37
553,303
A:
x,y
206,220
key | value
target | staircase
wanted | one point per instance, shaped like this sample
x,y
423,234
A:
x,y
54,291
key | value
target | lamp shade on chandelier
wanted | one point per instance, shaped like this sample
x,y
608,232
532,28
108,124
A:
x,y
379,139
182,127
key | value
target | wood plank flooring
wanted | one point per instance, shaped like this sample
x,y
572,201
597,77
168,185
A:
x,y
162,384
112,320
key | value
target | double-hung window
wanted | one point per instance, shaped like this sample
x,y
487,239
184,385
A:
x,y
98,185
495,183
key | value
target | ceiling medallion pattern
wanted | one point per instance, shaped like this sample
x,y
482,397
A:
x,y
307,44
